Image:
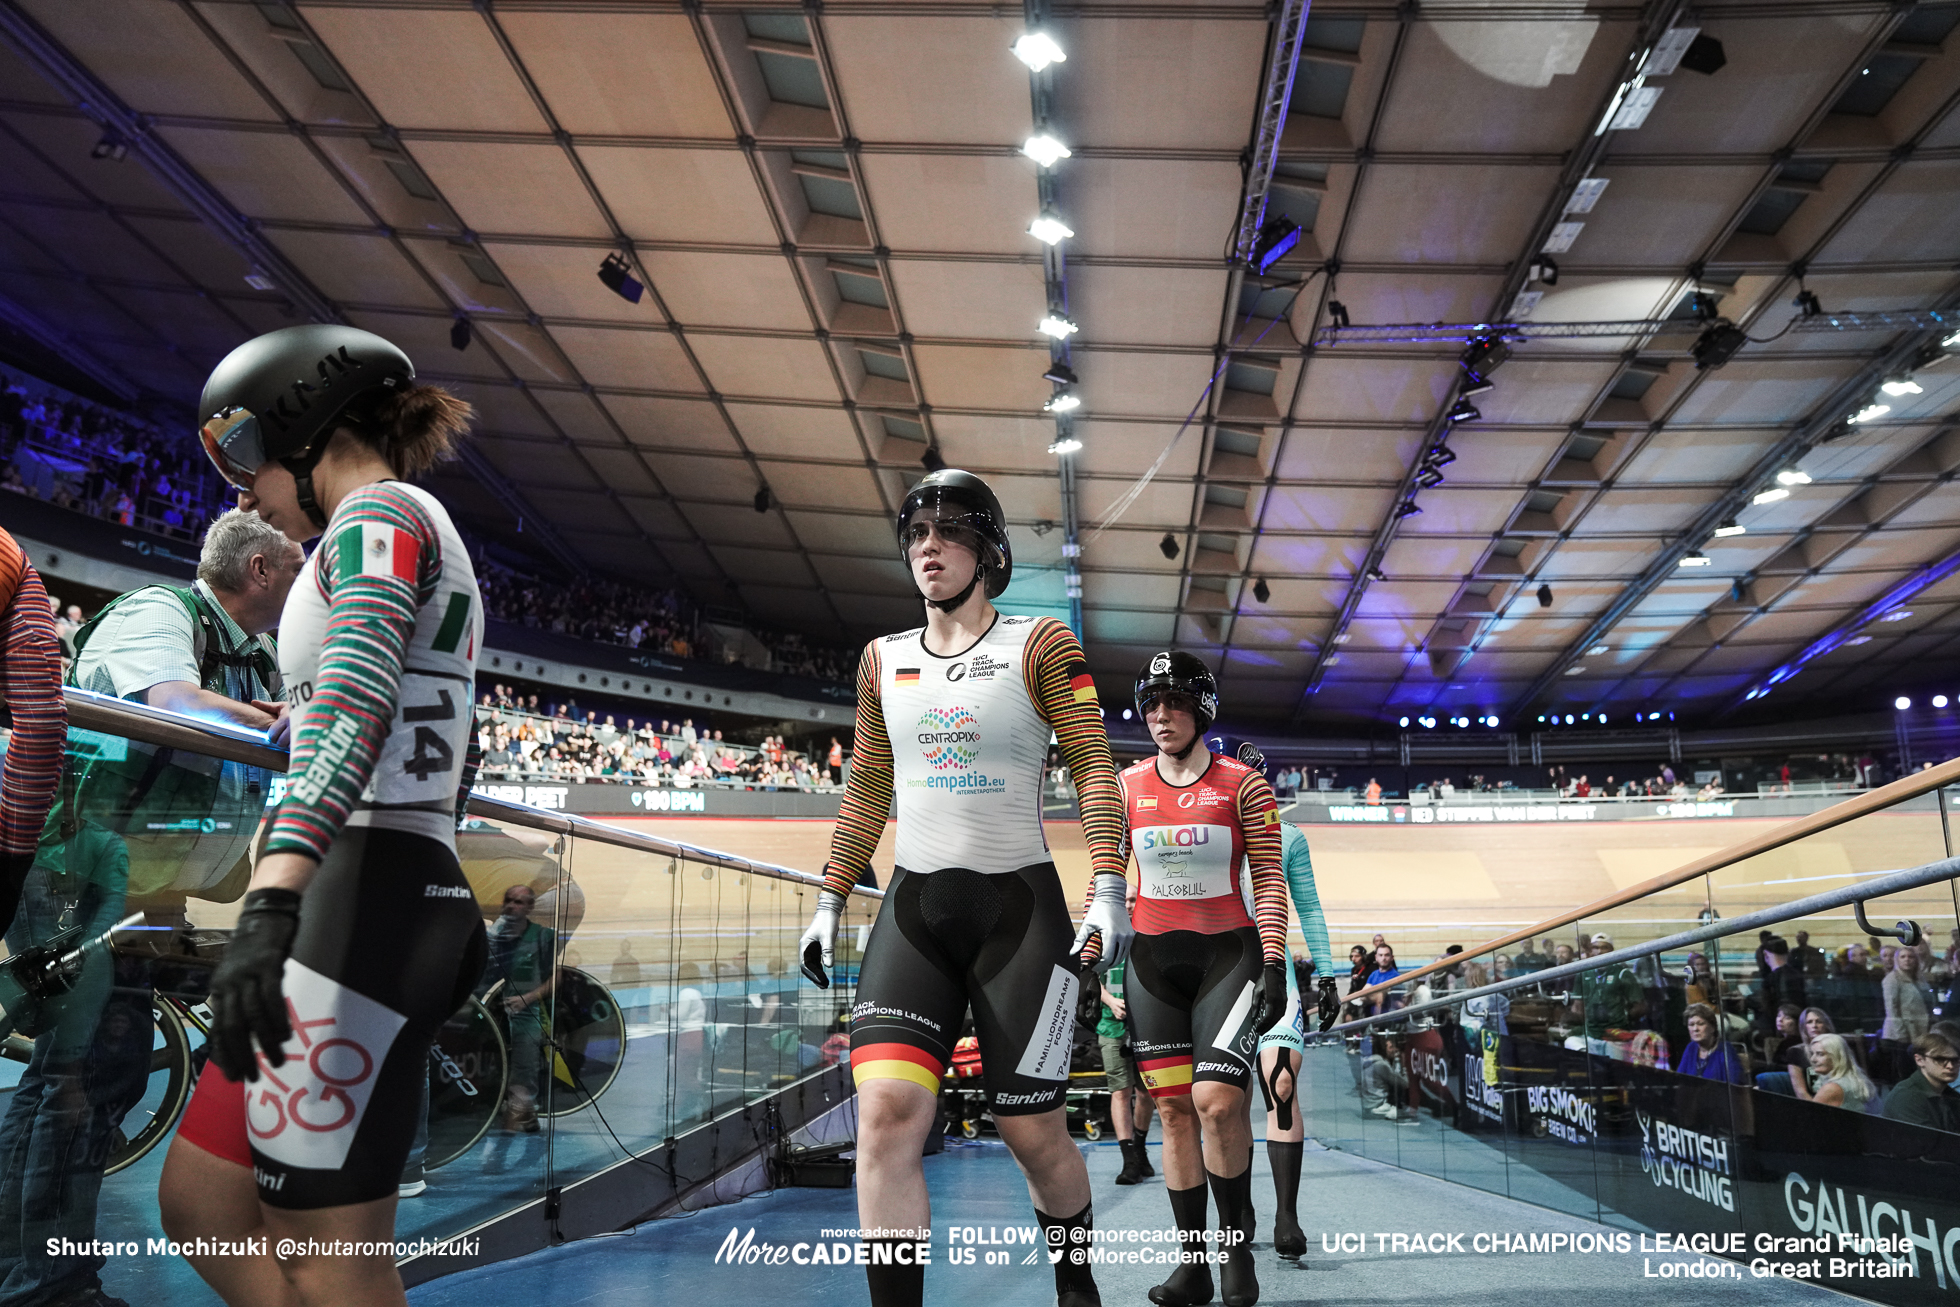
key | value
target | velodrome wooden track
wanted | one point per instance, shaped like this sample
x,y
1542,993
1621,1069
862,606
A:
x,y
1422,886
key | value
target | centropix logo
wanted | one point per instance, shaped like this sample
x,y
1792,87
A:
x,y
1160,664
951,737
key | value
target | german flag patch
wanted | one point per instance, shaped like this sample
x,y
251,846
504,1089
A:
x,y
906,676
1082,684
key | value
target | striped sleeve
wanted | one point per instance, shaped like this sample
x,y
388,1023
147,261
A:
x,y
1063,691
1306,898
382,560
868,793
1259,819
30,685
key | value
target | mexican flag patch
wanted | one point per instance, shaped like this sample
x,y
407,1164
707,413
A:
x,y
376,549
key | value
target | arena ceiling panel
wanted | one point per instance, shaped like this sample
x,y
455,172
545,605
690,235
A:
x,y
827,208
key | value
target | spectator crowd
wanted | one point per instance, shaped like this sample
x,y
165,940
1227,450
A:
x,y
523,740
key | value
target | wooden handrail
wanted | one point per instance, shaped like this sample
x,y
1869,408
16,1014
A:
x,y
1863,805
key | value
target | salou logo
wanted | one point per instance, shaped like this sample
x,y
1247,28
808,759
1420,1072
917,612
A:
x,y
1679,1158
1151,838
950,737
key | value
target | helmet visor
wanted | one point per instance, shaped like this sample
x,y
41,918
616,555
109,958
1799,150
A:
x,y
955,526
234,446
1176,700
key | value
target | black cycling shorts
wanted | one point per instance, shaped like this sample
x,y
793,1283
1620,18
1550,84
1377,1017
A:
x,y
1191,998
951,938
390,943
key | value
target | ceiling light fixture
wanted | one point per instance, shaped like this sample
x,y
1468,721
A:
x,y
1065,401
1045,149
1429,478
1543,268
1338,315
1717,345
1577,669
1376,574
762,500
1060,373
932,460
1544,596
1597,650
1407,508
1939,701
1441,456
1475,385
1903,386
1731,528
1902,703
1484,355
617,273
1064,445
1772,495
1261,591
1868,413
1695,558
1276,239
1056,325
1464,411
1951,342
1037,50
1896,615
112,147
459,334
1168,545
1858,640
1049,229
1791,476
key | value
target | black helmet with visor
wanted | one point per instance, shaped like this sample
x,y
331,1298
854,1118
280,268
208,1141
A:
x,y
964,511
282,395
1173,672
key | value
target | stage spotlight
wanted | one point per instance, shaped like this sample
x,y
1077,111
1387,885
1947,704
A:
x,y
1544,596
1903,386
617,273
1128,713
1056,325
1464,411
1568,719
112,147
1441,456
1037,50
459,334
1403,722
1049,229
1484,355
1261,591
1772,495
1337,314
762,500
1869,413
1545,269
931,459
1276,239
1045,150
1376,574
1717,345
1791,476
1407,508
1064,445
1806,303
1695,558
1168,545
1939,701
1064,402
1731,528
1060,373
1475,385
1902,703
1493,721
1429,478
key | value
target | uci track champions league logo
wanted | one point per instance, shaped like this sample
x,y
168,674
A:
x,y
949,741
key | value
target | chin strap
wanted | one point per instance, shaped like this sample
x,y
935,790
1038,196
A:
x,y
948,605
302,470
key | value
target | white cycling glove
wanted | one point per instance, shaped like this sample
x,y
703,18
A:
x,y
1108,919
822,933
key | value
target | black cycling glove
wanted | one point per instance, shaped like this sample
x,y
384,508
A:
x,y
247,991
1330,1002
1271,1003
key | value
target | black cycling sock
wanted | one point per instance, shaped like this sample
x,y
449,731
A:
x,y
1190,1283
1238,1282
1288,1240
895,1284
1072,1234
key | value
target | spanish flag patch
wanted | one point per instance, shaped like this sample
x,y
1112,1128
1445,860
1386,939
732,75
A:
x,y
1082,684
1147,803
906,676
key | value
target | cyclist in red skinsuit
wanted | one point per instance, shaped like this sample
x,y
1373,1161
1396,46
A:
x,y
1207,967
30,690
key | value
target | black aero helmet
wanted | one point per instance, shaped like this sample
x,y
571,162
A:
x,y
281,395
1173,672
963,498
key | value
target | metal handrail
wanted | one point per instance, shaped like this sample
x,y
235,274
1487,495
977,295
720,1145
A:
x,y
112,716
1863,805
1895,882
